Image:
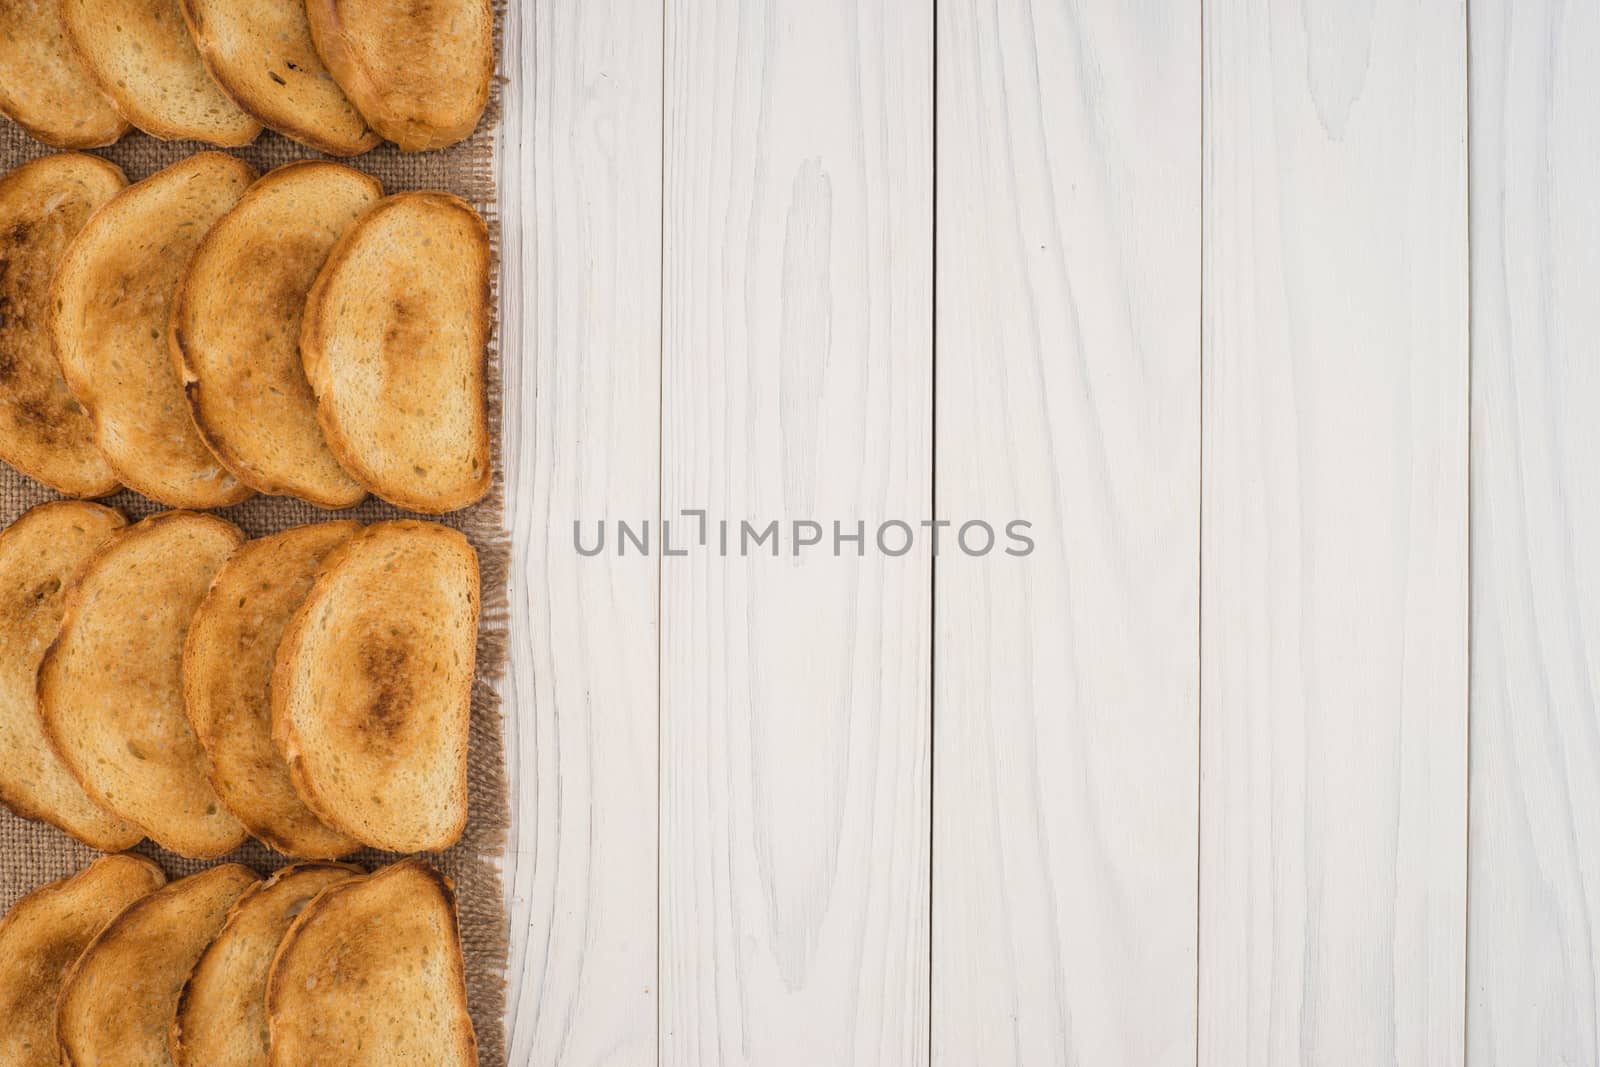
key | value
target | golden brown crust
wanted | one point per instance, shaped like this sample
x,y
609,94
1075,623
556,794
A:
x,y
419,73
109,314
389,473
44,87
44,431
235,327
227,675
117,1002
353,954
40,556
133,750
376,711
41,939
261,54
221,1011
142,58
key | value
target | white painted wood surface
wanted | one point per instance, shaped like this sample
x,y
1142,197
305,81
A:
x,y
1334,619
1066,715
1535,844
797,375
720,293
581,195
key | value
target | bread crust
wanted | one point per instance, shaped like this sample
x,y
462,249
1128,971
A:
x,y
417,115
41,939
46,136
286,734
123,990
231,643
185,78
44,432
221,998
320,322
186,767
34,782
332,905
273,289
44,86
285,88
109,312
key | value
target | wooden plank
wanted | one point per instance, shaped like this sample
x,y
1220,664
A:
x,y
1066,705
1534,886
1334,620
581,182
797,375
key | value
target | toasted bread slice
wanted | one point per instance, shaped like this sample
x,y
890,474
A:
x,y
44,86
111,686
43,937
394,340
222,1012
236,329
117,1005
141,56
40,555
371,694
111,300
44,432
419,73
227,684
371,973
261,53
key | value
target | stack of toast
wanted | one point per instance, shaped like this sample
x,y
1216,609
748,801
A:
x,y
199,337
170,679
319,964
205,334
338,76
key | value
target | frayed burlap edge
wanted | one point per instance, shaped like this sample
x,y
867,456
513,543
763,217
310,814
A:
x,y
32,854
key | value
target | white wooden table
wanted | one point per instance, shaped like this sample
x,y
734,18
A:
x,y
1307,436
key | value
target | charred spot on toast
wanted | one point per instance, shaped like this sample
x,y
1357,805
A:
x,y
406,329
22,602
385,659
288,265
408,380
50,962
57,956
38,414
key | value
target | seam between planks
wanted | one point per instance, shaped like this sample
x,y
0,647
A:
x,y
1200,532
1466,845
933,507
661,474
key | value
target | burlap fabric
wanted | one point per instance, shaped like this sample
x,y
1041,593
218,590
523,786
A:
x,y
32,854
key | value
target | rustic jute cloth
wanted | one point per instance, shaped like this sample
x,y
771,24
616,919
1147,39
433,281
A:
x,y
32,854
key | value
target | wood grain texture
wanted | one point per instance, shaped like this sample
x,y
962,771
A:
x,y
797,376
1533,993
1066,703
1334,619
581,180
